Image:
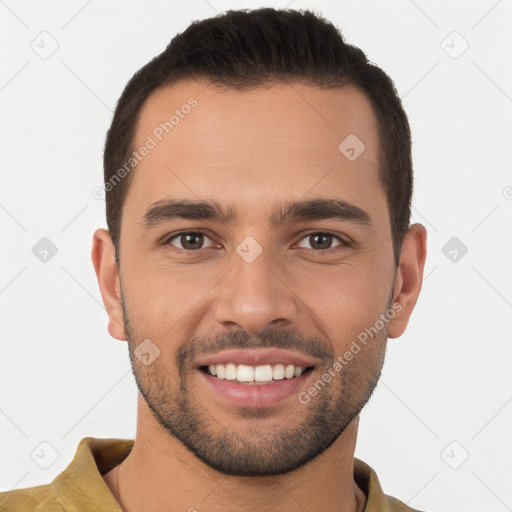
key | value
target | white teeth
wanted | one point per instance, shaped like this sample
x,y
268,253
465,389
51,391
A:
x,y
245,373
289,372
262,373
278,372
230,371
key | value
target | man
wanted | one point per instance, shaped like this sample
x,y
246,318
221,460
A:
x,y
258,184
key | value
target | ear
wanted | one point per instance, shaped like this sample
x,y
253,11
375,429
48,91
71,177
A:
x,y
409,278
103,259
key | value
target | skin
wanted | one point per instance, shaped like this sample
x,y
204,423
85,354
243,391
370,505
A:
x,y
251,150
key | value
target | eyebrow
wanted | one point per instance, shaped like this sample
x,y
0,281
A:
x,y
292,211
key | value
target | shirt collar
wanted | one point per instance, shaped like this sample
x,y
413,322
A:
x,y
81,484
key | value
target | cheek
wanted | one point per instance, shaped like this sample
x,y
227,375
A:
x,y
161,291
347,300
166,304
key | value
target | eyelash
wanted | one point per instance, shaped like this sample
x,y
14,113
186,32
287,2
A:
x,y
343,243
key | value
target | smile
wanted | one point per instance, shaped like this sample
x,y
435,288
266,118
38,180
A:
x,y
261,374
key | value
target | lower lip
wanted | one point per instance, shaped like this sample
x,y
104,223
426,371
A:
x,y
254,395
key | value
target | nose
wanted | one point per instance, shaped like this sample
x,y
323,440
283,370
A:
x,y
255,295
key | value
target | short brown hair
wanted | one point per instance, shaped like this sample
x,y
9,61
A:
x,y
246,48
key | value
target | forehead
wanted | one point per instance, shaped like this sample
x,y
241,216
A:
x,y
255,146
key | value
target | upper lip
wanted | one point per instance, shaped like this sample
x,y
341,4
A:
x,y
257,357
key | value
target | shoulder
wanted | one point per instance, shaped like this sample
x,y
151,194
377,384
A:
x,y
399,506
376,500
34,499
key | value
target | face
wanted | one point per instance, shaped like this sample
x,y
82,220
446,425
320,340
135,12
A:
x,y
254,255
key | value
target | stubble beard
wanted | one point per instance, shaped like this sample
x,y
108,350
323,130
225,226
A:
x,y
257,450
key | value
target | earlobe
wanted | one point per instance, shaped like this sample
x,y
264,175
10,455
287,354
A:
x,y
107,273
409,278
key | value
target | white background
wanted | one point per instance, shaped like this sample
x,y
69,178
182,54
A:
x,y
448,378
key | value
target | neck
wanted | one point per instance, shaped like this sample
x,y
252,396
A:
x,y
160,471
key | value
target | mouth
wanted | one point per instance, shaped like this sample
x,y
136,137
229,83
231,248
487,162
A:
x,y
254,378
255,375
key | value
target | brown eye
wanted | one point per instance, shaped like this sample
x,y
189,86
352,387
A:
x,y
189,241
322,241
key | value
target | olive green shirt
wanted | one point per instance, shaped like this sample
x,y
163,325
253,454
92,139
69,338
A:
x,y
81,488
